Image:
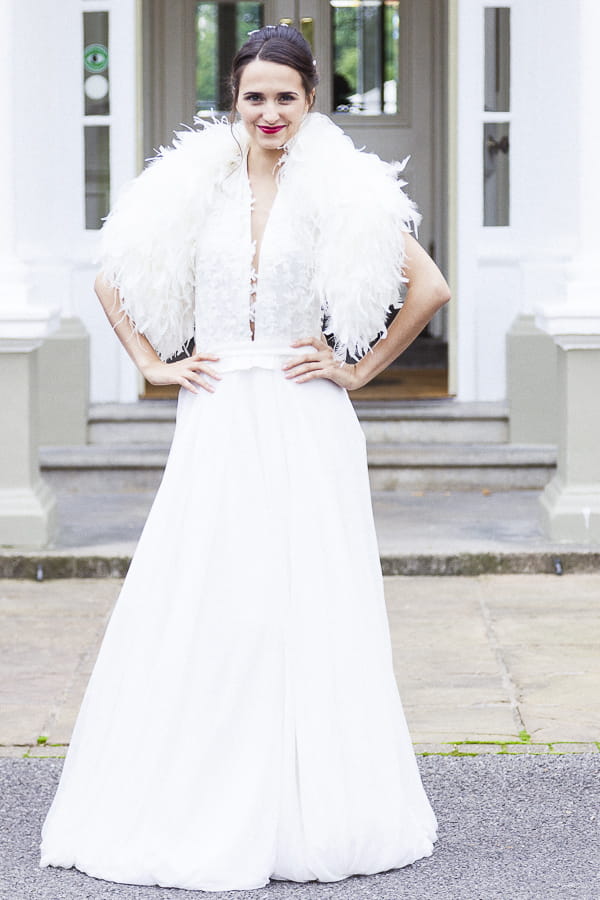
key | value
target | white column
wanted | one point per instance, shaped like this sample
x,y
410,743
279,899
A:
x,y
26,504
571,502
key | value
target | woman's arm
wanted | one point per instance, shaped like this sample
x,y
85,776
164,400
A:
x,y
427,292
183,372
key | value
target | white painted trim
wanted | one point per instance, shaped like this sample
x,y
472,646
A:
x,y
125,68
469,194
124,122
20,344
26,323
97,120
570,322
578,341
452,177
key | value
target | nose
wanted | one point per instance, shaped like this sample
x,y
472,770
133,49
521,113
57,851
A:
x,y
270,112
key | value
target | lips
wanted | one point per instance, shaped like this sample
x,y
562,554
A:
x,y
267,130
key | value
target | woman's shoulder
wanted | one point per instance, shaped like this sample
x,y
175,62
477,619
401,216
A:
x,y
210,145
181,176
339,166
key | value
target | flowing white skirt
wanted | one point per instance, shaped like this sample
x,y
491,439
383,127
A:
x,y
242,721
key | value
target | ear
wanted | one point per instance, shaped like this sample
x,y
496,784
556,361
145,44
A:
x,y
310,100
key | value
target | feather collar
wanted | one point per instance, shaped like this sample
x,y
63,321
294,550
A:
x,y
354,201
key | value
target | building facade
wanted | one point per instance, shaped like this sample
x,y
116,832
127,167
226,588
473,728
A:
x,y
494,103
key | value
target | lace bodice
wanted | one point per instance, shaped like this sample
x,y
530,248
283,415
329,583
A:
x,y
230,294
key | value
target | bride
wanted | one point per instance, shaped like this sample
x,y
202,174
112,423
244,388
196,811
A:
x,y
242,722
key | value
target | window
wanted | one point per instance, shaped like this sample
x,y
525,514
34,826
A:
x,y
220,29
496,126
366,57
96,123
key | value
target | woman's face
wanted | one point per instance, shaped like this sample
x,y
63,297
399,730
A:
x,y
272,103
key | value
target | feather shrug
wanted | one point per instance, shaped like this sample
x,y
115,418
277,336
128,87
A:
x,y
353,201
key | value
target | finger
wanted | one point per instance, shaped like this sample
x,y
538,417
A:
x,y
300,368
209,371
318,373
307,342
200,356
300,360
303,370
206,385
185,383
195,378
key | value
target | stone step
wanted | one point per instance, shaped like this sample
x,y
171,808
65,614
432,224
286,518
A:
x,y
497,467
135,467
147,422
433,421
428,421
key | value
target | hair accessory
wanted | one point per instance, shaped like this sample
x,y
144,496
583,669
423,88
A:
x,y
256,30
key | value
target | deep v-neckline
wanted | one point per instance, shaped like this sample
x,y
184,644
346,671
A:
x,y
268,218
256,259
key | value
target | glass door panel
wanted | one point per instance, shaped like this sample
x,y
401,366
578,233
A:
x,y
365,56
220,29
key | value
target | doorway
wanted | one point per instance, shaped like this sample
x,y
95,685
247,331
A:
x,y
382,68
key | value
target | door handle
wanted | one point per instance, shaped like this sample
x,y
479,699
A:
x,y
494,146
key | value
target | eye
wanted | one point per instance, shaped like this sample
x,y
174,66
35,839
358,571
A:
x,y
287,98
253,98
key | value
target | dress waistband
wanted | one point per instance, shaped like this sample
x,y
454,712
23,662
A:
x,y
250,355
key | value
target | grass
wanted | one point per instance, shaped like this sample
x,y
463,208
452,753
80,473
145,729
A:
x,y
502,747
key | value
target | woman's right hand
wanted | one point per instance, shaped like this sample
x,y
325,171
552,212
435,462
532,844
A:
x,y
185,372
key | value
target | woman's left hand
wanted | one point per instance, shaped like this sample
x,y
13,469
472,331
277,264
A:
x,y
320,363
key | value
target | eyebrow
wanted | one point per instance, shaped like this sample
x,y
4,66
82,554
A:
x,y
249,92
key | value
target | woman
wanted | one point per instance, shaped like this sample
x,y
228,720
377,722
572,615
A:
x,y
242,721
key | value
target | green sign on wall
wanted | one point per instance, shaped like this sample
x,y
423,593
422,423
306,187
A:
x,y
95,57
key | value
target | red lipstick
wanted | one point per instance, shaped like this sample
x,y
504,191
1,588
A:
x,y
268,130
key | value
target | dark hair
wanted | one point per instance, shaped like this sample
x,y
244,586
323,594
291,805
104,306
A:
x,y
279,44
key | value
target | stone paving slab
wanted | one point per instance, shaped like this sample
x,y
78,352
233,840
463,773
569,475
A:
x,y
518,827
495,659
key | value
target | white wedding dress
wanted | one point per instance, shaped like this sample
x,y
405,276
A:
x,y
242,721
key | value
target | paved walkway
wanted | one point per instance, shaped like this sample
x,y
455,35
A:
x,y
508,663
503,667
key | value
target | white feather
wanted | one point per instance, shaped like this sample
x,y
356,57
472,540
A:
x,y
363,214
148,241
356,214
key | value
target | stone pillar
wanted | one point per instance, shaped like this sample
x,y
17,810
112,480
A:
x,y
26,504
63,382
571,502
531,388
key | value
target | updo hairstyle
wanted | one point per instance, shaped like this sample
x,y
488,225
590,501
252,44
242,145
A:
x,y
280,44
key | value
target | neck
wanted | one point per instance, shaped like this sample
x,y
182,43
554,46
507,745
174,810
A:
x,y
263,163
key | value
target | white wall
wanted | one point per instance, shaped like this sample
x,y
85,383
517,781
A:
x,y
50,180
503,271
499,271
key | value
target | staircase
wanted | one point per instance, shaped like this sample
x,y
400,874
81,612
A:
x,y
447,445
412,445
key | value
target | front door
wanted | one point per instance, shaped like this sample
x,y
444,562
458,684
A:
x,y
380,64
